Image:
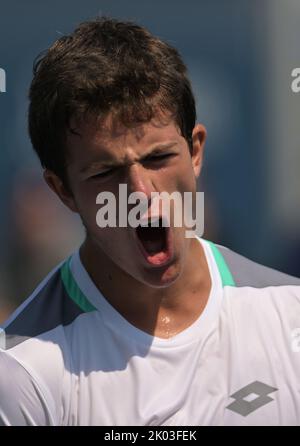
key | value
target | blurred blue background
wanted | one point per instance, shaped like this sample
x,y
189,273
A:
x,y
240,54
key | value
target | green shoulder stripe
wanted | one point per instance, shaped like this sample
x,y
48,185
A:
x,y
226,276
73,289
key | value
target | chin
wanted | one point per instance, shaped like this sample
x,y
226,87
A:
x,y
162,277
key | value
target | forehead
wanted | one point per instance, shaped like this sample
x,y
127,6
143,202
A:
x,y
113,138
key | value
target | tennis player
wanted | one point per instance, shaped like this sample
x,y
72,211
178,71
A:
x,y
140,325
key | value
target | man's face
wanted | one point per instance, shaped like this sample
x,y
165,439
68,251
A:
x,y
151,157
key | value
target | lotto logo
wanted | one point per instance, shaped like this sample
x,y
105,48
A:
x,y
250,398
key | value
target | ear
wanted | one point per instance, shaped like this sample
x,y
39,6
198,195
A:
x,y
58,187
198,141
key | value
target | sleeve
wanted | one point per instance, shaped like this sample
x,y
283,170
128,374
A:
x,y
22,402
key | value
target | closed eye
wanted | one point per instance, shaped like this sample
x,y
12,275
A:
x,y
103,174
161,157
149,159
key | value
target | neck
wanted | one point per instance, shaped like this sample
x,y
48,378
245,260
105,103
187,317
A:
x,y
159,311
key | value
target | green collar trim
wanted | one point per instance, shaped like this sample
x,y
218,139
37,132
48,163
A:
x,y
226,276
83,303
73,289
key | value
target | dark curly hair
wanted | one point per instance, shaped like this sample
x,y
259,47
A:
x,y
105,66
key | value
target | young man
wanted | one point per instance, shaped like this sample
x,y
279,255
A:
x,y
140,326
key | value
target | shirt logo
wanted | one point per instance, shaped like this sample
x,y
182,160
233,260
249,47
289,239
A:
x,y
251,397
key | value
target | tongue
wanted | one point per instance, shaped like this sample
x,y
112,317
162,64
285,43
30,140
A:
x,y
152,239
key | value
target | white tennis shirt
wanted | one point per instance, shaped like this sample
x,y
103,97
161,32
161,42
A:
x,y
67,357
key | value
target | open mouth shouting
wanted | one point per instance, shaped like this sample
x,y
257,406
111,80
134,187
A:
x,y
155,241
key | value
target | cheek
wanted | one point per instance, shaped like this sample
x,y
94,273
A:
x,y
85,197
178,177
185,176
113,242
110,238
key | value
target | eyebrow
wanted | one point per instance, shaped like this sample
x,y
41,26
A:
x,y
154,150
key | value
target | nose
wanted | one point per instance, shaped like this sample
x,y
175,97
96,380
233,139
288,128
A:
x,y
139,180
